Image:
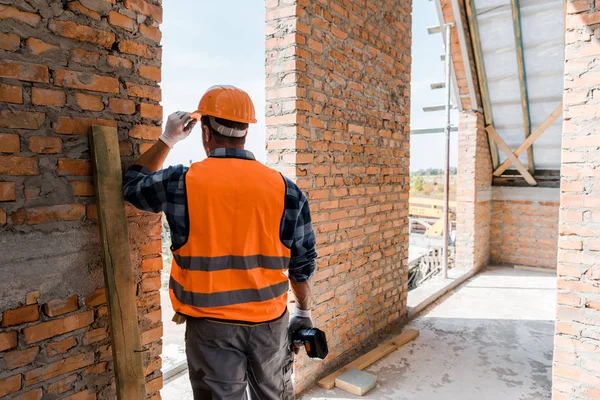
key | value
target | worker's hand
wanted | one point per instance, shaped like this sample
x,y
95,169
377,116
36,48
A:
x,y
179,126
300,320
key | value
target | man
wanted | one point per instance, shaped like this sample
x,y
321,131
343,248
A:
x,y
240,231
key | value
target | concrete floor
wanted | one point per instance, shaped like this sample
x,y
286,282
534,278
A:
x,y
489,339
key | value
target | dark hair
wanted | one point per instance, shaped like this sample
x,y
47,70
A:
x,y
226,140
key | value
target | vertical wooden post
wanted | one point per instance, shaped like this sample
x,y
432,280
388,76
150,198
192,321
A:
x,y
118,273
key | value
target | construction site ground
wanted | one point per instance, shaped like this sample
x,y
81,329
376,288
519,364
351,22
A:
x,y
489,339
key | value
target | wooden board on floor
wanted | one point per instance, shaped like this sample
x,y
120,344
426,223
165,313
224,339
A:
x,y
118,274
365,360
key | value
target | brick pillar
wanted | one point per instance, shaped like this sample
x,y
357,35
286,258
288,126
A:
x,y
474,181
577,342
338,106
63,67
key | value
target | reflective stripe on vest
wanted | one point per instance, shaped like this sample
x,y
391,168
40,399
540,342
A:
x,y
233,266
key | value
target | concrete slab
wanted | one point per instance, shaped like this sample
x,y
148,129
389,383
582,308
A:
x,y
490,339
356,382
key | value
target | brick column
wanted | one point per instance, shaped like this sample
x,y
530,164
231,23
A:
x,y
63,67
473,197
577,341
338,106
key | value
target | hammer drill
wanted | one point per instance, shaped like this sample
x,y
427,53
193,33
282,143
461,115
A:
x,y
314,341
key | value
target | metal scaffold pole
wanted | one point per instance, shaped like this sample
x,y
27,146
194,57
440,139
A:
x,y
447,159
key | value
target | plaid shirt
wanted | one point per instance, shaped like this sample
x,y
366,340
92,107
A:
x,y
164,191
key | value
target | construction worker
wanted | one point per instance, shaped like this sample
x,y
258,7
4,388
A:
x,y
240,232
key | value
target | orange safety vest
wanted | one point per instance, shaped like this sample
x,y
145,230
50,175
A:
x,y
233,266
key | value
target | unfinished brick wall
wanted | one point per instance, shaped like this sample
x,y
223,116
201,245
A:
x,y
577,342
473,193
63,67
338,106
524,226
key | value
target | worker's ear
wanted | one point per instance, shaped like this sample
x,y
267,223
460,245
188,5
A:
x,y
206,133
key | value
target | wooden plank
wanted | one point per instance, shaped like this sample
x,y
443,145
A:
x,y
516,15
481,76
118,273
365,360
507,150
532,138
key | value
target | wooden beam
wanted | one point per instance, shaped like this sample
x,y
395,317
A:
x,y
504,147
481,76
532,138
434,29
462,42
365,360
516,16
118,274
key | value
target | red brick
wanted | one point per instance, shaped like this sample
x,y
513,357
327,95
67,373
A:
x,y
119,62
21,119
139,49
145,8
569,299
78,7
74,167
151,300
62,385
8,191
24,71
150,32
82,33
45,144
85,395
58,368
48,97
43,214
9,41
8,340
35,394
11,94
20,358
37,46
10,143
82,188
152,264
154,385
120,20
144,147
153,366
143,91
60,347
31,193
147,132
125,149
150,284
10,385
95,335
96,369
81,80
89,102
97,298
86,57
153,317
8,12
121,106
57,327
55,308
154,247
20,316
151,111
80,126
150,72
152,335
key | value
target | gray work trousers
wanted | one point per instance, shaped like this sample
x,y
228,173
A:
x,y
224,359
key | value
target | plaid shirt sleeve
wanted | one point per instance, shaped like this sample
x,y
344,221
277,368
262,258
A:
x,y
298,234
164,191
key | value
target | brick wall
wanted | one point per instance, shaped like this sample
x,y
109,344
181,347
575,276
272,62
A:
x,y
338,106
524,226
473,194
65,65
577,341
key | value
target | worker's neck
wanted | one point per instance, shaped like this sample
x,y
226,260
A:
x,y
225,146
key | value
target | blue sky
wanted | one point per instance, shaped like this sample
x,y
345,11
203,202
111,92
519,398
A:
x,y
209,42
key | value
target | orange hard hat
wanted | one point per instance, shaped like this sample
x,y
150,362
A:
x,y
226,102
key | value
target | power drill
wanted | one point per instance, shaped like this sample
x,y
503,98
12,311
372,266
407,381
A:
x,y
314,341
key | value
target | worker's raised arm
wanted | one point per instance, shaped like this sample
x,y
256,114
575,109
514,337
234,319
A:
x,y
150,188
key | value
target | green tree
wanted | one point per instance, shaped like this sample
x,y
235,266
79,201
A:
x,y
418,184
